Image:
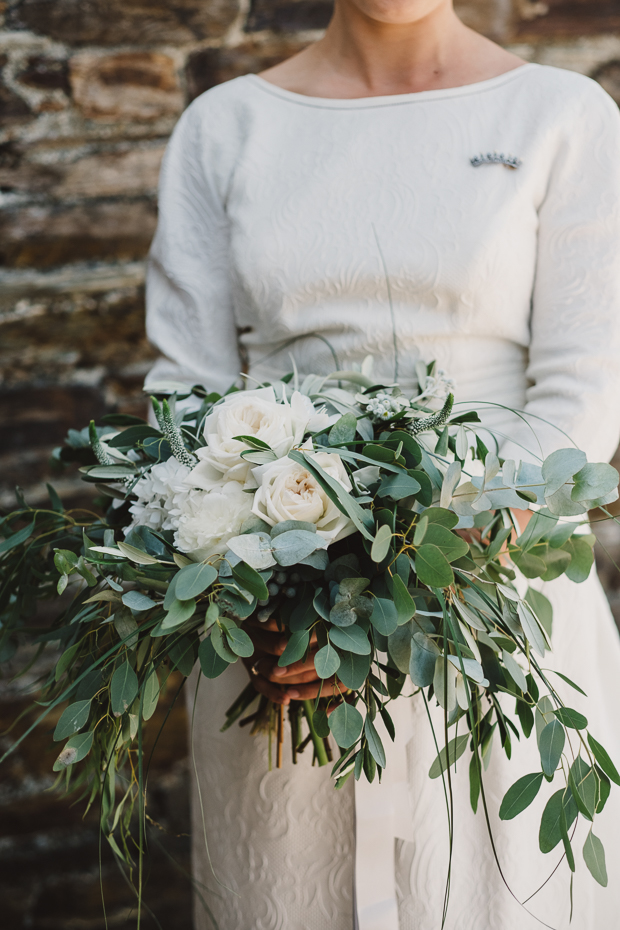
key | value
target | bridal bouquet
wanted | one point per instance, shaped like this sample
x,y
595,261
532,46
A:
x,y
375,528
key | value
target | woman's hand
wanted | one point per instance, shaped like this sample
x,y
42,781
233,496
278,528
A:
x,y
298,681
522,517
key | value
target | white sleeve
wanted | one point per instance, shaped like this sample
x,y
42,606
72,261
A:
x,y
574,353
188,292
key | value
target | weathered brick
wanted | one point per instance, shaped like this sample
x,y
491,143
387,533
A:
x,y
559,18
608,77
13,108
44,236
128,85
52,338
207,67
45,73
287,16
121,22
106,174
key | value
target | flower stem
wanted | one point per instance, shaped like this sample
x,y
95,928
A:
x,y
319,745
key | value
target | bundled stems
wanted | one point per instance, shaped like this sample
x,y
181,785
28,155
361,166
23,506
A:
x,y
319,745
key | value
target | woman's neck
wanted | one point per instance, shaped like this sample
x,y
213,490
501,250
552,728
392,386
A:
x,y
360,56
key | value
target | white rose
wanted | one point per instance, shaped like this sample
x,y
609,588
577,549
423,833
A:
x,y
288,491
248,413
208,519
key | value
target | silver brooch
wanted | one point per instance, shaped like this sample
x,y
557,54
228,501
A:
x,y
495,158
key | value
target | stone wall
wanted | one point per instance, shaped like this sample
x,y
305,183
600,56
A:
x,y
89,93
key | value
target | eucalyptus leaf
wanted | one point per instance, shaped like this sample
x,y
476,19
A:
x,y
253,548
291,547
137,601
594,481
455,749
560,466
239,642
571,718
384,617
399,646
375,745
432,567
594,858
351,639
250,579
343,430
551,746
397,487
123,689
76,749
520,795
287,525
194,579
73,718
211,663
550,833
602,757
295,648
326,661
403,602
581,559
583,783
151,693
424,653
381,544
178,614
220,644
353,670
346,725
531,628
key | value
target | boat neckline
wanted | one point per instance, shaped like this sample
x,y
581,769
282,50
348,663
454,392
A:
x,y
389,99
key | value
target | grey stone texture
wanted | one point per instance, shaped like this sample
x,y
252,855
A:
x,y
89,93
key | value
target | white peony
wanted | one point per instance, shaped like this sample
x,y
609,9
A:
x,y
208,519
288,491
249,413
160,493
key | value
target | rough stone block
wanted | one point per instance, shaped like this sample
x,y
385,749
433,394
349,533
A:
x,y
207,67
13,108
106,174
121,22
44,236
128,85
564,18
289,15
45,73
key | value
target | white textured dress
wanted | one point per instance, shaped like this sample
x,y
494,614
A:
x,y
274,209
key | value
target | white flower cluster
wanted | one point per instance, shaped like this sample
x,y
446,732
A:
x,y
161,495
383,406
207,505
437,385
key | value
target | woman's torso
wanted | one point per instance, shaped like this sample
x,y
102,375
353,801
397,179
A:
x,y
332,202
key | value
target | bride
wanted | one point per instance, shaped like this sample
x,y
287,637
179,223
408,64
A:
x,y
402,150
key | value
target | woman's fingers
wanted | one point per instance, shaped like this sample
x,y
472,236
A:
x,y
305,692
271,691
264,641
268,668
297,668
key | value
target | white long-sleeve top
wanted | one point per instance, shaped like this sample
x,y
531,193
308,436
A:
x,y
283,218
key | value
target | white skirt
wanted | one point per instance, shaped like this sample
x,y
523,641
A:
x,y
284,850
